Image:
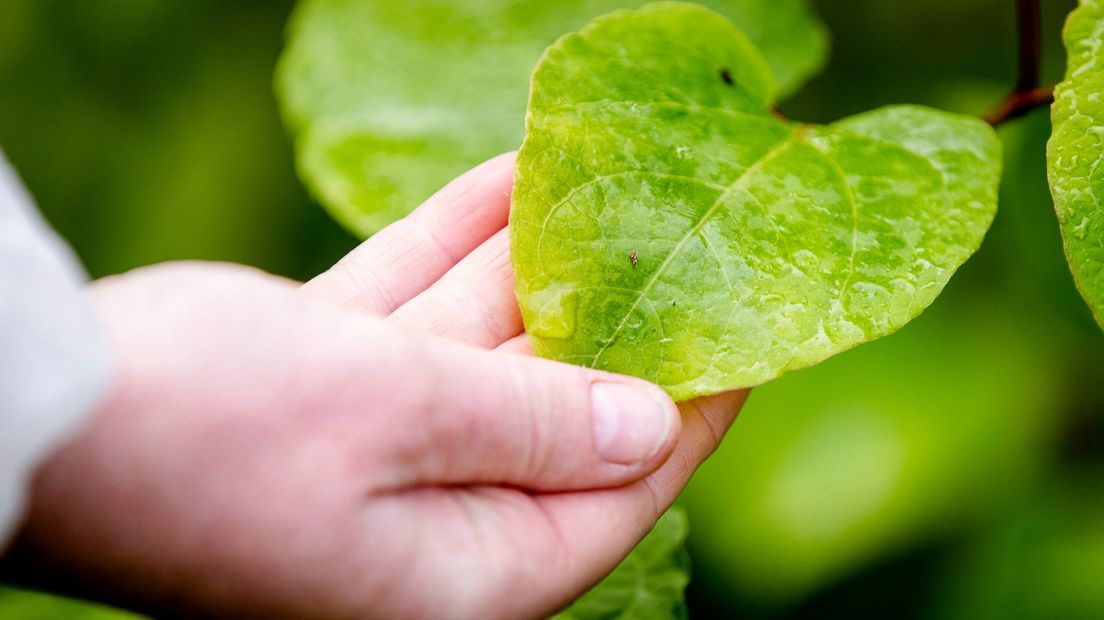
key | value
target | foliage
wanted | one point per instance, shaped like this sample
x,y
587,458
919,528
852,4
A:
x,y
26,605
1076,150
1044,562
666,225
145,130
648,584
827,483
388,100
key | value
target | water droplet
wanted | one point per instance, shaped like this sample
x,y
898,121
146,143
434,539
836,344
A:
x,y
1081,230
805,259
550,312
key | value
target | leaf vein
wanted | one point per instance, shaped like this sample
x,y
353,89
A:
x,y
793,138
554,207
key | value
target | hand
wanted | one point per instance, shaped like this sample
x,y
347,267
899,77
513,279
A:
x,y
369,444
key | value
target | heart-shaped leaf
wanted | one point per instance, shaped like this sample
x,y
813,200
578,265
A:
x,y
388,101
1076,150
666,225
647,584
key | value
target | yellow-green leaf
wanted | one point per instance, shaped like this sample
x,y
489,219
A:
x,y
388,101
1076,150
647,585
666,225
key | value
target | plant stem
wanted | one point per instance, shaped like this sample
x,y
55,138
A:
x,y
1018,104
1027,94
1027,21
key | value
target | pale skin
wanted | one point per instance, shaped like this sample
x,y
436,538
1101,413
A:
x,y
375,443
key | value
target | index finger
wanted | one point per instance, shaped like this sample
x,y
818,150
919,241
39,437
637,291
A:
x,y
405,258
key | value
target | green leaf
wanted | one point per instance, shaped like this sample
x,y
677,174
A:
x,y
1076,149
388,101
666,225
648,584
1041,560
17,604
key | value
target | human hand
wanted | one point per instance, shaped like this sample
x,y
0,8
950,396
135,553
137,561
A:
x,y
368,444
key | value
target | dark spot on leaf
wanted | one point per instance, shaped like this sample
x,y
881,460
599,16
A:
x,y
726,76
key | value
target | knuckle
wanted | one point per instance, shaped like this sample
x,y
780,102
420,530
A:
x,y
526,399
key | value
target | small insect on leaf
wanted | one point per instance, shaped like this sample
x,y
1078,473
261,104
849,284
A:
x,y
893,200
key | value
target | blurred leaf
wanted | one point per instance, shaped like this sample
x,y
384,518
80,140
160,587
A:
x,y
147,131
648,584
388,100
1076,149
27,605
15,28
875,451
93,90
1046,560
666,225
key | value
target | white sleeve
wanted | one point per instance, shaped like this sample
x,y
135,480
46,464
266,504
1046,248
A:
x,y
53,362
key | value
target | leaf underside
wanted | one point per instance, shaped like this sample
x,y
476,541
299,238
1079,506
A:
x,y
648,584
1076,150
666,225
388,101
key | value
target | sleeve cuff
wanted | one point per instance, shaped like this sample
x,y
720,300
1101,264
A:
x,y
53,360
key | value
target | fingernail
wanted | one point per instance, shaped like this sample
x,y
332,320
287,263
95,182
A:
x,y
630,425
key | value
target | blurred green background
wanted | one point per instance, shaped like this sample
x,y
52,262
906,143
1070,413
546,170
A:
x,y
954,470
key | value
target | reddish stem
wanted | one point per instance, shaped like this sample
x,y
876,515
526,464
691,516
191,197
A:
x,y
1027,95
1018,104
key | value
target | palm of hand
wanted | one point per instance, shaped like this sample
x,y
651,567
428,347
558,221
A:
x,y
372,443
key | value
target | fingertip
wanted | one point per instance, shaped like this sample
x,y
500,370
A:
x,y
508,157
407,257
492,178
675,430
715,415
634,423
722,408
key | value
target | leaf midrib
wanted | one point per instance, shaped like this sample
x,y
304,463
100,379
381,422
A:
x,y
793,138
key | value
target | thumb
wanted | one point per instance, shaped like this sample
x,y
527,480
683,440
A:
x,y
497,418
